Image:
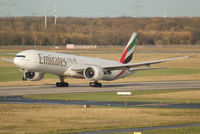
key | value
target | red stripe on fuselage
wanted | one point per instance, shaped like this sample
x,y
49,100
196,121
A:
x,y
120,73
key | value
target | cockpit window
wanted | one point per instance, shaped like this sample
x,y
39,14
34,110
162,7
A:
x,y
23,56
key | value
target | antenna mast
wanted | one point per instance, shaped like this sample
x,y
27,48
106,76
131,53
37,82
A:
x,y
7,9
138,6
164,13
45,16
55,13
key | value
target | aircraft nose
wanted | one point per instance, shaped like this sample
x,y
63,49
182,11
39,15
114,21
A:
x,y
17,61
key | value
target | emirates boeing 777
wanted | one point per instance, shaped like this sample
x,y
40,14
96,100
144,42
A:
x,y
34,64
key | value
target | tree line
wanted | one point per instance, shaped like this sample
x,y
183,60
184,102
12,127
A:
x,y
99,31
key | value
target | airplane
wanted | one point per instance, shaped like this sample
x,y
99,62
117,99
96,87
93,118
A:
x,y
35,63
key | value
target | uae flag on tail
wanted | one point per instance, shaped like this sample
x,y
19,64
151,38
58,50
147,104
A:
x,y
129,50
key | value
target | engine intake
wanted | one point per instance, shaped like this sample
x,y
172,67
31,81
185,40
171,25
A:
x,y
93,73
33,76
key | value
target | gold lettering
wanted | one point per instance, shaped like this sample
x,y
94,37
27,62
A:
x,y
63,63
45,59
40,59
50,60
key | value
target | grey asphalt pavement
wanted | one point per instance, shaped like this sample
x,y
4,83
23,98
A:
x,y
50,89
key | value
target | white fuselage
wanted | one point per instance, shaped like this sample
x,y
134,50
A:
x,y
64,64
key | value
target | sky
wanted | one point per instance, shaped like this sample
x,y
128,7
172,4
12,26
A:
x,y
101,8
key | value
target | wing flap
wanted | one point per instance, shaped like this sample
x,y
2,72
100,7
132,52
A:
x,y
150,68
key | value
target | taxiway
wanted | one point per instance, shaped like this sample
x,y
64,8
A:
x,y
22,100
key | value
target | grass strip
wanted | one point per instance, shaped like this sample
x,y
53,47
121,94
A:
x,y
37,118
137,96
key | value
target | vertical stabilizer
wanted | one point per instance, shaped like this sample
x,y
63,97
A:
x,y
128,51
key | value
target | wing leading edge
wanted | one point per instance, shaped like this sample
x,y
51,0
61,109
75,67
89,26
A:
x,y
8,60
139,64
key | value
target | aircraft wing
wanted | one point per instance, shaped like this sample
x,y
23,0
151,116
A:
x,y
148,63
150,68
8,60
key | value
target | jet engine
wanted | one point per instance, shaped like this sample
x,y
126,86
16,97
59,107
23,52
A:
x,y
93,73
33,76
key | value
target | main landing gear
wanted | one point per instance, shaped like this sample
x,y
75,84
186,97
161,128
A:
x,y
95,84
62,82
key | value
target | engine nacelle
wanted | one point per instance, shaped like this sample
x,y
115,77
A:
x,y
93,73
33,76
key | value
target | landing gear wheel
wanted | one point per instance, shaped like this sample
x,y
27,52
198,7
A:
x,y
95,84
62,84
91,84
